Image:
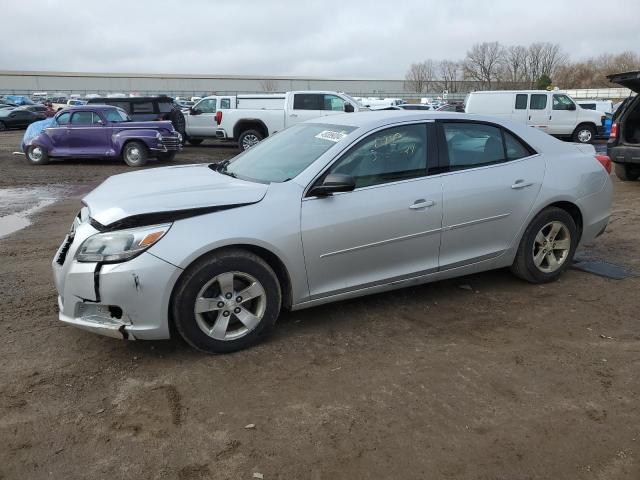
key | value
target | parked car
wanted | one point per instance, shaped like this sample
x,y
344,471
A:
x,y
200,119
416,106
17,117
143,109
605,106
40,108
452,107
18,100
553,112
624,142
95,131
248,126
326,210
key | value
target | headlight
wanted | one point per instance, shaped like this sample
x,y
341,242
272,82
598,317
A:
x,y
120,245
159,136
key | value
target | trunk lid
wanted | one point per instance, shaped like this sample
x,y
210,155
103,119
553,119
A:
x,y
168,189
630,80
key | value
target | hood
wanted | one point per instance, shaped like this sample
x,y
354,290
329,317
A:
x,y
630,80
158,193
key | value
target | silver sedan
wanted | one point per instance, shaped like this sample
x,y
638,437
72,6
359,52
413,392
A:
x,y
326,210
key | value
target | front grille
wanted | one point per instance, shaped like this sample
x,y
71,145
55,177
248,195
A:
x,y
64,250
171,143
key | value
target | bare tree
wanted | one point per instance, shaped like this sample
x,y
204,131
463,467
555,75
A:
x,y
483,63
419,76
450,75
269,85
515,64
543,59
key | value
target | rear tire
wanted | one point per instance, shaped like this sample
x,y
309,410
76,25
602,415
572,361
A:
x,y
207,305
195,141
36,155
584,134
626,173
248,139
543,256
135,154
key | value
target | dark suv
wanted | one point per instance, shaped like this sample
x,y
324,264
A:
x,y
624,142
145,109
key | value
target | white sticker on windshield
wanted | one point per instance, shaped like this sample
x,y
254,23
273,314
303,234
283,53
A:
x,y
331,135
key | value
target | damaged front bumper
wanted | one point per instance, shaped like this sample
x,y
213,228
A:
x,y
123,300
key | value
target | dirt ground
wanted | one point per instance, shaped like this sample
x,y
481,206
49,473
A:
x,y
482,377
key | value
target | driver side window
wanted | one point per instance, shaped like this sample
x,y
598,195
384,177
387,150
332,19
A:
x,y
63,119
206,106
389,155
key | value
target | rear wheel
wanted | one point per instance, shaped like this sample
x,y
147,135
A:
x,y
248,139
135,154
37,155
627,173
547,247
195,141
584,134
226,302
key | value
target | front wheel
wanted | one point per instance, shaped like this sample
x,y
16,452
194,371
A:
x,y
584,134
226,301
627,173
547,247
135,154
37,155
248,139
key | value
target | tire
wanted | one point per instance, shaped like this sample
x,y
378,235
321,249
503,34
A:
x,y
248,139
3,127
584,134
135,154
167,157
204,279
531,248
36,155
626,173
195,141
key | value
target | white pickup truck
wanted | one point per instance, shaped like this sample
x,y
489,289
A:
x,y
200,120
258,116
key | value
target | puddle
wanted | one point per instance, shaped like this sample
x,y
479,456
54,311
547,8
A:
x,y
18,204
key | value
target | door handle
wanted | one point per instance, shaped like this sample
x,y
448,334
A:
x,y
521,184
422,203
293,115
529,117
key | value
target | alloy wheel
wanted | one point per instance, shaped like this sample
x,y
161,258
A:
x,y
230,305
584,136
249,141
551,247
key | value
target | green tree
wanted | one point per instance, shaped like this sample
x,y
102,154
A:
x,y
543,82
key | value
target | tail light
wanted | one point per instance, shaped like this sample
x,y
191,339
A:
x,y
605,161
614,131
218,117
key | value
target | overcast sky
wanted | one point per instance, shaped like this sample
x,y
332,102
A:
x,y
338,39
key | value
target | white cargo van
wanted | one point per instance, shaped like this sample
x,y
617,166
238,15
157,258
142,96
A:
x,y
553,112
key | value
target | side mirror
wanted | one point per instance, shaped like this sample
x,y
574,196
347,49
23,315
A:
x,y
194,111
333,183
348,108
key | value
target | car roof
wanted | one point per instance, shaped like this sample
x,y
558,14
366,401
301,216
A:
x,y
89,107
379,118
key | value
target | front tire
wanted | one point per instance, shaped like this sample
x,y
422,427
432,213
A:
x,y
37,155
226,301
584,134
248,139
547,247
135,154
626,173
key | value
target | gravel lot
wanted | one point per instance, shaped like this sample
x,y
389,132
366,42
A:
x,y
483,377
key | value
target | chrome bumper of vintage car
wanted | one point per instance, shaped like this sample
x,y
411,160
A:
x,y
169,143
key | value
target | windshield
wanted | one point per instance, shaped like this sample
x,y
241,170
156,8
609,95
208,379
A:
x,y
284,155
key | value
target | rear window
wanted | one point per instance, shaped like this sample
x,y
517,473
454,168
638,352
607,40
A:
x,y
165,107
124,105
145,107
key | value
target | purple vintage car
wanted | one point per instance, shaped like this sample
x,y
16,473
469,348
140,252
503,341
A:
x,y
95,131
